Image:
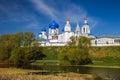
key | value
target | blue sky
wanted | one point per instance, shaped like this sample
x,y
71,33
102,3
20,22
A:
x,y
33,15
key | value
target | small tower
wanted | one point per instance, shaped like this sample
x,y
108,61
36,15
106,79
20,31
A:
x,y
42,34
67,27
53,30
77,31
85,28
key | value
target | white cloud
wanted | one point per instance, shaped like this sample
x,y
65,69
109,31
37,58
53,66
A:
x,y
71,10
45,9
93,22
75,12
59,10
33,25
15,13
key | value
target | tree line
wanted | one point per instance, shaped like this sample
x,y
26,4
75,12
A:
x,y
22,48
16,49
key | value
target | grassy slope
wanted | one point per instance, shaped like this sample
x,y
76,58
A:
x,y
101,56
105,56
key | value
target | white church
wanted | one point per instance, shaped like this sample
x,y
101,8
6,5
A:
x,y
54,38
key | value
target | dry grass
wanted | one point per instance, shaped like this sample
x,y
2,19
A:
x,y
21,74
12,71
18,71
64,76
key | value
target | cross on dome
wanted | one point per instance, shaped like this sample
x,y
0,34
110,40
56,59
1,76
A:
x,y
85,18
67,19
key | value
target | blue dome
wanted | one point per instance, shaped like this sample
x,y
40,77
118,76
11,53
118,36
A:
x,y
53,25
62,29
42,39
40,33
43,29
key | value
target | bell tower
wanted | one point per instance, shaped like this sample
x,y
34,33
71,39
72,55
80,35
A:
x,y
67,27
85,28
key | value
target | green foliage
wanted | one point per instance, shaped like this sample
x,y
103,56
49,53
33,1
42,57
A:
x,y
74,55
37,53
28,37
52,53
6,45
22,56
17,56
76,52
35,43
17,48
8,42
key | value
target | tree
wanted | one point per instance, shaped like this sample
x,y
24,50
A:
x,y
77,51
107,42
95,42
22,56
10,43
17,56
28,37
6,46
35,43
18,39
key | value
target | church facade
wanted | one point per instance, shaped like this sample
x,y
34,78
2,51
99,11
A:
x,y
54,38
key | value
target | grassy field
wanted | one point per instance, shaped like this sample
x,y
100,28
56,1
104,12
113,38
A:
x,y
101,56
106,62
105,56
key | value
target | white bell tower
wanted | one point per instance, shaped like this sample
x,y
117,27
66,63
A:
x,y
67,27
85,28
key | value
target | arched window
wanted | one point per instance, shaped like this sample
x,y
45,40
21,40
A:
x,y
84,30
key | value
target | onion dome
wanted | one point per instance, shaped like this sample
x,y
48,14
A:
x,y
85,21
40,32
53,25
62,29
43,29
42,39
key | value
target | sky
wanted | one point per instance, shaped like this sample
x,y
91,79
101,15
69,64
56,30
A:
x,y
34,15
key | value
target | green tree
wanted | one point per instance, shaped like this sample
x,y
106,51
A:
x,y
17,56
22,56
28,38
6,46
77,51
11,42
18,39
35,43
95,42
107,42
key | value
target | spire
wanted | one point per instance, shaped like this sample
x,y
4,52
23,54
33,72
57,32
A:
x,y
85,18
85,21
67,19
77,29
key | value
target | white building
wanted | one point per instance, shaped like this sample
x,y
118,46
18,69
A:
x,y
106,41
54,38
